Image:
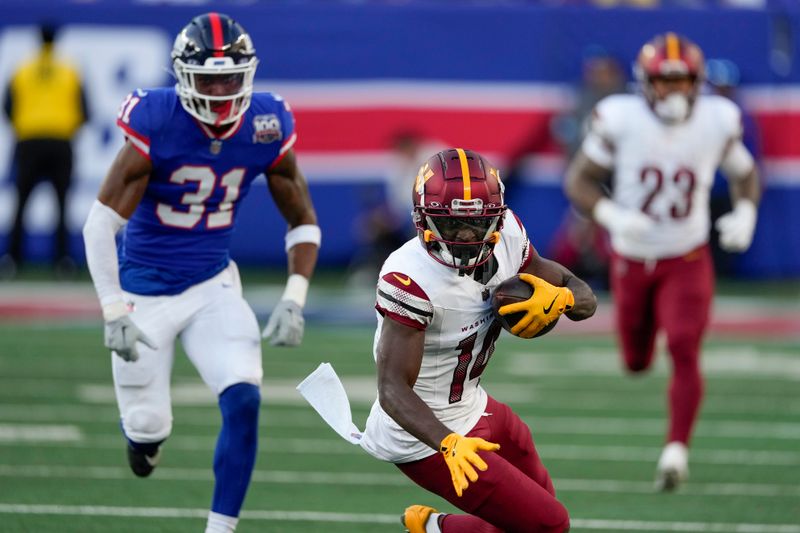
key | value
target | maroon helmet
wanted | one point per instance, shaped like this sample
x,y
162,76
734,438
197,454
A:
x,y
458,208
670,56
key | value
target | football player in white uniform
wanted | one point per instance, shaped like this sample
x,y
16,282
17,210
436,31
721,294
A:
x,y
659,152
436,333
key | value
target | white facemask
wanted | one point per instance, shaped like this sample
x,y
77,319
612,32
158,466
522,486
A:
x,y
674,108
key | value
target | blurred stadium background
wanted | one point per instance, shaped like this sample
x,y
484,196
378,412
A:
x,y
492,76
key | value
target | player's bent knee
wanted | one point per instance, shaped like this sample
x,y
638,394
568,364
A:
x,y
560,523
142,424
241,400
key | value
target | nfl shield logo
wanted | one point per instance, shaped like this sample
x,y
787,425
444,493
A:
x,y
266,129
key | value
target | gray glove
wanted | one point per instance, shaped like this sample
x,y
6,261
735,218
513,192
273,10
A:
x,y
121,335
285,325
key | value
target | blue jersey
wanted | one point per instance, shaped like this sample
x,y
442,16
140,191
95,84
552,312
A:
x,y
180,233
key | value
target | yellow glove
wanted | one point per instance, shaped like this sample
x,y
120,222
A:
x,y
460,454
547,304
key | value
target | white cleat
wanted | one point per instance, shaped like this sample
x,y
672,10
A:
x,y
673,467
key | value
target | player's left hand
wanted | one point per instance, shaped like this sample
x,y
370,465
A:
x,y
547,304
285,325
736,227
461,456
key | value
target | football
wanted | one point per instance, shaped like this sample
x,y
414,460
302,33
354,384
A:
x,y
511,291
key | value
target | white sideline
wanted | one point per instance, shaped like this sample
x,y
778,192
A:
x,y
382,479
374,518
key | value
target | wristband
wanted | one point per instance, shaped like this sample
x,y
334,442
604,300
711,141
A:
x,y
296,289
114,310
304,233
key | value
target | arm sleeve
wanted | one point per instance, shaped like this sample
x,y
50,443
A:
x,y
99,236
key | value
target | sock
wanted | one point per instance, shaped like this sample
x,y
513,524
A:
x,y
235,454
149,448
432,525
219,523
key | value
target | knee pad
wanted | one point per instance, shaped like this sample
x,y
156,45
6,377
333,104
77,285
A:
x,y
144,424
241,401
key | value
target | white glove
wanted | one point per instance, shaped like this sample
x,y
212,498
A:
x,y
285,324
627,223
736,227
121,336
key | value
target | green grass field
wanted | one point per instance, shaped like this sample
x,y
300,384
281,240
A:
x,y
63,468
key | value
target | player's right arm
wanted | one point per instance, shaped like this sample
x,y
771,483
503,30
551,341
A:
x,y
399,359
591,170
120,193
736,227
584,182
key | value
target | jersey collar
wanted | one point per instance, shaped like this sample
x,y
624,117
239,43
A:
x,y
230,132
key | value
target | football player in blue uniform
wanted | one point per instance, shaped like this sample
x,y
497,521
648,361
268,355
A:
x,y
190,156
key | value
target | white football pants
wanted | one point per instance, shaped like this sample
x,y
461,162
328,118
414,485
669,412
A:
x,y
220,334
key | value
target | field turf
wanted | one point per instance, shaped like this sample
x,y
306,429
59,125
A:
x,y
63,468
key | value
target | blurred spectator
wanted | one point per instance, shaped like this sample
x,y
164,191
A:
x,y
385,222
46,105
580,244
603,75
723,78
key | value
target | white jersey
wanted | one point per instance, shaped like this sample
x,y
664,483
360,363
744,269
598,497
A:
x,y
460,333
664,170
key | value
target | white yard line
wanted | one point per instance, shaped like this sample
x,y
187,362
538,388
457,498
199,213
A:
x,y
738,429
565,451
374,518
570,425
381,479
39,433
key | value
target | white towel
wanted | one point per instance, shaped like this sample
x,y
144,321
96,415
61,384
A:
x,y
324,391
